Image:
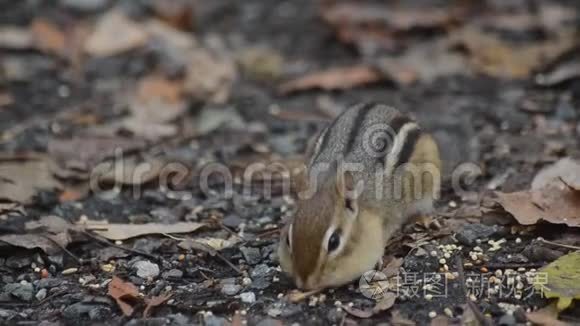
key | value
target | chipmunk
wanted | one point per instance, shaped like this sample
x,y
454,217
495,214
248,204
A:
x,y
369,170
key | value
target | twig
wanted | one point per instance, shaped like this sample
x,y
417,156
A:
x,y
68,252
478,314
560,244
173,237
229,263
514,265
230,231
107,242
268,232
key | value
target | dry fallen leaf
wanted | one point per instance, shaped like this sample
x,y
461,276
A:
x,y
440,321
495,57
215,243
40,241
397,319
392,267
177,13
547,316
127,231
209,76
128,171
554,197
115,33
124,293
425,62
48,37
22,179
157,102
154,302
84,152
556,204
158,99
336,78
372,25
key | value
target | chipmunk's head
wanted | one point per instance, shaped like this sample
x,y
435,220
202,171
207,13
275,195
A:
x,y
331,240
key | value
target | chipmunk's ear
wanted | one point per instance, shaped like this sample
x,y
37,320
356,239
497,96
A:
x,y
348,191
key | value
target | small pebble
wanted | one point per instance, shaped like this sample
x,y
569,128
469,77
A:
x,y
69,271
448,312
428,297
518,240
248,297
442,261
432,314
108,268
433,253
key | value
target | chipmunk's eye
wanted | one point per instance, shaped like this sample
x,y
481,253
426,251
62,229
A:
x,y
334,241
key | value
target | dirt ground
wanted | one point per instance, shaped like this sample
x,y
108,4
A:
x,y
162,89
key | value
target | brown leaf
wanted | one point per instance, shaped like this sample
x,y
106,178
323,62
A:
x,y
158,99
385,26
399,18
336,78
128,171
556,204
34,241
84,152
425,62
127,231
545,316
154,302
209,76
48,37
566,170
397,319
22,179
50,223
393,266
440,321
124,294
73,193
177,13
115,33
496,57
237,320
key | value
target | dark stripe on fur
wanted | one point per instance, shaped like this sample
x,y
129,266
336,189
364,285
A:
x,y
396,124
408,147
357,125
